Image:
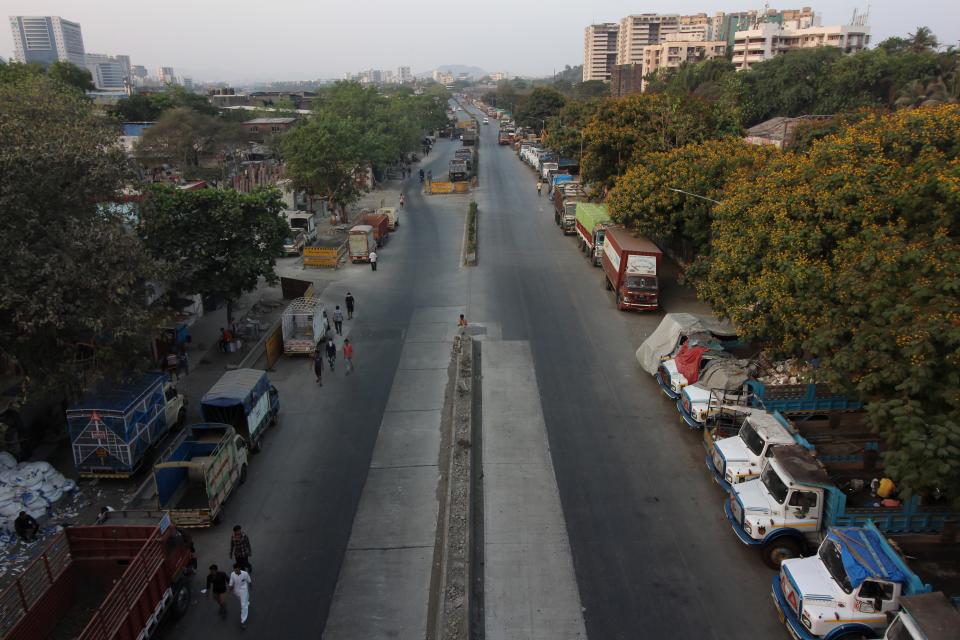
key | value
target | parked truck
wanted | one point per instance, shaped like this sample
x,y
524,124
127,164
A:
x,y
393,216
244,399
116,580
112,427
738,456
303,323
592,221
848,589
381,227
361,242
457,170
565,199
199,472
631,265
786,510
303,221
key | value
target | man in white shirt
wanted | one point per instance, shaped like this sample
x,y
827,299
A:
x,y
373,260
240,586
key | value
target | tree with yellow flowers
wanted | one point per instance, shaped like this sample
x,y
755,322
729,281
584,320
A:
x,y
851,253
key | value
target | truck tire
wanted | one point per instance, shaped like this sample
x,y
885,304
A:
x,y
619,301
243,474
606,283
181,418
181,599
780,549
256,448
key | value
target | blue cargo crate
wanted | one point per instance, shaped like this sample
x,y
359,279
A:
x,y
112,427
798,398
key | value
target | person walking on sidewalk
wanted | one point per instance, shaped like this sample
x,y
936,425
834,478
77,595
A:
x,y
349,302
373,260
318,363
240,586
331,353
240,549
338,320
217,587
348,355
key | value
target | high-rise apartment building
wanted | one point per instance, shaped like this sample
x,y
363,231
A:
x,y
768,38
677,50
638,31
404,76
47,39
166,75
599,51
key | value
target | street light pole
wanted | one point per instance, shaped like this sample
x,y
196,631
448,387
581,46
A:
x,y
695,195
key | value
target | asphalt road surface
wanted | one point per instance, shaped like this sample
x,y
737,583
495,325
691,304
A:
x,y
653,554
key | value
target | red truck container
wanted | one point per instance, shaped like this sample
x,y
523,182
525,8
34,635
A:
x,y
381,226
111,581
631,265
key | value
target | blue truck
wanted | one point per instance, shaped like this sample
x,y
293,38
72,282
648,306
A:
x,y
112,427
786,511
244,399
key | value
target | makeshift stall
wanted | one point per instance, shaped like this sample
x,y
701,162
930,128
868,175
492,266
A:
x,y
304,322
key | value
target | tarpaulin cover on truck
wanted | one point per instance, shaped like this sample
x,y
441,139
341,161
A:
x,y
238,387
727,374
590,215
866,555
663,341
688,361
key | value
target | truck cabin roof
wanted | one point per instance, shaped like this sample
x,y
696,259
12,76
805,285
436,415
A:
x,y
801,465
764,423
933,613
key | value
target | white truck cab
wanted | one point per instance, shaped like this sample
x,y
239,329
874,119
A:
x,y
175,407
847,590
739,458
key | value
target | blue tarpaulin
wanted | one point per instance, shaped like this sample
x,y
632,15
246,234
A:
x,y
240,386
866,555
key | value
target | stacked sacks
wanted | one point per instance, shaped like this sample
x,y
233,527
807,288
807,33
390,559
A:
x,y
28,486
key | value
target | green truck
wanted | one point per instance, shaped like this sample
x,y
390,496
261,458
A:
x,y
199,472
592,222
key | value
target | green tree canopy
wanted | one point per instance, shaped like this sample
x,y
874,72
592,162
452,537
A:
x,y
146,107
217,242
73,278
183,136
541,104
852,253
65,73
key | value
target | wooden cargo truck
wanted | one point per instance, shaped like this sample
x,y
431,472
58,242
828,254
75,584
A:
x,y
199,472
116,580
381,226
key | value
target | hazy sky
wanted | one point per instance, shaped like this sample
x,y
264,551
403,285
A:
x,y
245,40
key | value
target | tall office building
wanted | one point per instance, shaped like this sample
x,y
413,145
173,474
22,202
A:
x,y
599,50
166,75
404,76
638,31
47,39
109,72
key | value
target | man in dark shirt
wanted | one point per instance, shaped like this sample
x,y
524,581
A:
x,y
217,585
239,542
26,527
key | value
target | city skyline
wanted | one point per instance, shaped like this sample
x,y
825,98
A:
x,y
296,41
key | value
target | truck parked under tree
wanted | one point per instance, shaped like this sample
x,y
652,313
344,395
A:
x,y
631,265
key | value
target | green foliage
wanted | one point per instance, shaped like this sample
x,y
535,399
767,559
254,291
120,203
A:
x,y
642,198
217,242
183,136
541,104
64,73
565,130
141,107
72,276
624,130
591,89
851,252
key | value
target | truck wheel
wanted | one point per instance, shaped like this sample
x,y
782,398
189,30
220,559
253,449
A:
x,y
181,418
776,551
256,447
606,282
181,599
243,474
619,302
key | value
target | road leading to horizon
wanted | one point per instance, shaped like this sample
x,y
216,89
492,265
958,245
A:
x,y
653,554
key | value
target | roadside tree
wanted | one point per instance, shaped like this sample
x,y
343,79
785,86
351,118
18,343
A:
x,y
183,137
852,253
73,303
540,105
216,242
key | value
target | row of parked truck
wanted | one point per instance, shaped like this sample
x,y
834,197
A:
x,y
804,485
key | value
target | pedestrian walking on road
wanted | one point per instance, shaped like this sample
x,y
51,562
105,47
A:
x,y
349,302
348,355
338,320
239,584
539,187
318,363
240,549
217,587
183,362
331,353
401,201
373,260
421,176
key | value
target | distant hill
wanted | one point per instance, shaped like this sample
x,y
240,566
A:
x,y
455,69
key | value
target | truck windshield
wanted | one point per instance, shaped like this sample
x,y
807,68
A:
x,y
752,439
298,223
830,556
774,484
647,283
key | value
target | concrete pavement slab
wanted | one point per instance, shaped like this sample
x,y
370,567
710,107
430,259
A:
x,y
424,355
434,315
398,508
431,332
407,439
530,489
418,390
381,595
507,354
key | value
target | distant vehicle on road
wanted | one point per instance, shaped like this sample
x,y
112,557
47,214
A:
x,y
486,121
293,244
